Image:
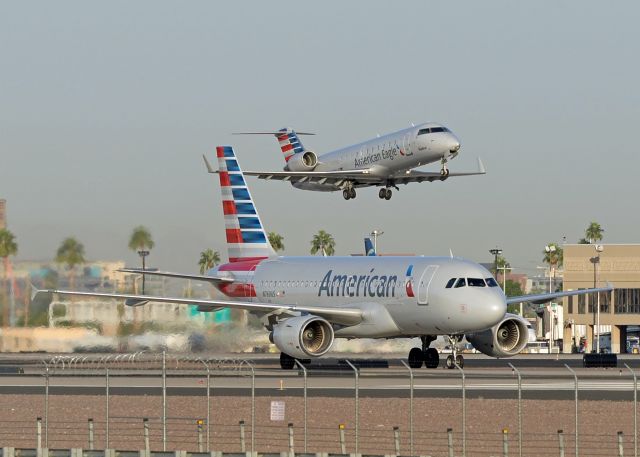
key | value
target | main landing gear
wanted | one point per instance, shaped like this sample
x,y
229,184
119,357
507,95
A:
x,y
454,358
425,354
385,193
349,192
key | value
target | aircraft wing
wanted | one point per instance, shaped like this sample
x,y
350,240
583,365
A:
x,y
169,274
345,316
421,176
544,298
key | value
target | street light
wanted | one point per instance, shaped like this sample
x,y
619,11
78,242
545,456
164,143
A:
x,y
550,249
375,234
142,253
495,252
596,273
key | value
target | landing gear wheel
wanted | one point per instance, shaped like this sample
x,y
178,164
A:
x,y
346,195
450,362
416,357
460,361
286,361
383,193
352,193
387,194
431,358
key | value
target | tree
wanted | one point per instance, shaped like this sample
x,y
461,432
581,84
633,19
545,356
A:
x,y
553,256
8,247
323,242
208,259
141,242
71,253
277,241
593,233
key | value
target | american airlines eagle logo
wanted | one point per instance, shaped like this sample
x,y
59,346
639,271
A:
x,y
409,281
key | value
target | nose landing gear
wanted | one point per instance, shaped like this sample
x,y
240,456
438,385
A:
x,y
444,171
454,358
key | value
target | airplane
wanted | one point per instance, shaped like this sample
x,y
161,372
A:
x,y
385,161
307,302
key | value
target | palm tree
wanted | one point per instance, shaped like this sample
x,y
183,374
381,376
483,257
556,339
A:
x,y
593,233
8,247
553,255
276,240
71,253
323,242
208,259
141,242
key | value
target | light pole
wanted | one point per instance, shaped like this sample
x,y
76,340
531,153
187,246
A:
x,y
375,234
495,252
143,254
550,249
596,273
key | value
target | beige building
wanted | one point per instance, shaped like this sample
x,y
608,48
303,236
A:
x,y
584,267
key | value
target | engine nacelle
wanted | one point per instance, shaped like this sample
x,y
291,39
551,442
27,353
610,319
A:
x,y
304,336
504,339
302,161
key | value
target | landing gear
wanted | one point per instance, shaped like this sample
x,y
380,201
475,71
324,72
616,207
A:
x,y
425,354
416,357
349,192
431,358
454,358
286,361
385,193
444,171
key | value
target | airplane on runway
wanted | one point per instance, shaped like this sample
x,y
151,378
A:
x,y
385,161
306,302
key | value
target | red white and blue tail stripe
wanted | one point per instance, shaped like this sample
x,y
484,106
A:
x,y
246,239
290,143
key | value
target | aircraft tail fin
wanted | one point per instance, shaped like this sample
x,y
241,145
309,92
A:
x,y
368,247
246,237
290,143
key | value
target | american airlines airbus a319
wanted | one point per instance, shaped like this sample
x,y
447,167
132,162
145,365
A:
x,y
385,161
306,302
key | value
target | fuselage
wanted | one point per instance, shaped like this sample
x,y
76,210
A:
x,y
399,296
390,154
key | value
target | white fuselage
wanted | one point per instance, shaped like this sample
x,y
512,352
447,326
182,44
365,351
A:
x,y
390,154
400,296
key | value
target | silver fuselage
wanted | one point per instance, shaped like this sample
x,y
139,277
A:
x,y
400,296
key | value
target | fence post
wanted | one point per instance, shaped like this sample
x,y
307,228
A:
x,y
357,385
291,452
106,381
200,446
206,365
38,433
243,446
635,411
145,426
575,376
505,442
620,445
90,434
519,409
410,406
450,441
164,400
253,409
464,412
304,372
561,442
396,439
46,407
343,444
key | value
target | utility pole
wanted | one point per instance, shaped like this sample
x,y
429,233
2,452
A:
x,y
495,252
375,234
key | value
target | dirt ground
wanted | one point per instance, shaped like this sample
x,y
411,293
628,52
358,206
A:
x,y
598,426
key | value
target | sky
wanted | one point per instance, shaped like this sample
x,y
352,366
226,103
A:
x,y
107,107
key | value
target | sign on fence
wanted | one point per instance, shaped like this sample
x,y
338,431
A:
x,y
277,410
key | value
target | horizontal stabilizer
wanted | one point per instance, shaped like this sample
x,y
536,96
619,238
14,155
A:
x,y
135,302
270,133
169,274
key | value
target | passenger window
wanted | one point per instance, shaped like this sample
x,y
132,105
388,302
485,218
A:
x,y
450,283
491,282
461,283
476,282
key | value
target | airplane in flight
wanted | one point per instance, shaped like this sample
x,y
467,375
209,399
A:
x,y
385,161
307,302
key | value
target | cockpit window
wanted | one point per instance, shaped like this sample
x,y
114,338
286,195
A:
x,y
461,283
491,282
432,130
450,283
476,282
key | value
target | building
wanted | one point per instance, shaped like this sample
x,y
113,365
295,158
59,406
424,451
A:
x,y
586,267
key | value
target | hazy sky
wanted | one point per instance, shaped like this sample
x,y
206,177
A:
x,y
106,109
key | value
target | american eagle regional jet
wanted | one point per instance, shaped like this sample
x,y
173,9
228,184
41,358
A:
x,y
306,302
385,161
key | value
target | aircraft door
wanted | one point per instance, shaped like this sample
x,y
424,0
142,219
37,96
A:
x,y
425,281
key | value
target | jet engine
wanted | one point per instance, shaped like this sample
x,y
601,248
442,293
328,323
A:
x,y
505,339
302,161
303,336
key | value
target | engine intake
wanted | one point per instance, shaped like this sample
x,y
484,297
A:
x,y
302,161
505,339
303,336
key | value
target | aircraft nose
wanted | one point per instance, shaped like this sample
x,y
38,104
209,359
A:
x,y
454,145
494,309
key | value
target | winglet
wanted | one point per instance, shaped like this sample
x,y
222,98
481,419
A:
x,y
481,168
208,165
34,291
